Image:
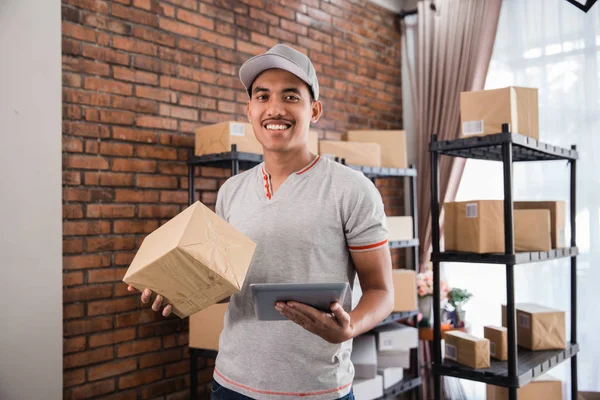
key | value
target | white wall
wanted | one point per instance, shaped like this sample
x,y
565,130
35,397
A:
x,y
30,200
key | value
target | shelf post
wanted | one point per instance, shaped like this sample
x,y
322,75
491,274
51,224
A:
x,y
235,163
435,234
191,169
507,161
573,217
415,215
193,374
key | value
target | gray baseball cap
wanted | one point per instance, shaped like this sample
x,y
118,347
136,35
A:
x,y
282,57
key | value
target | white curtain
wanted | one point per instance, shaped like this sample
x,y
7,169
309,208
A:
x,y
555,47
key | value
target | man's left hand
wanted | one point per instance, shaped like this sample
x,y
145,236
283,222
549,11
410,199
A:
x,y
334,327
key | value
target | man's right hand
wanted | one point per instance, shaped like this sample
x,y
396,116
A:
x,y
157,304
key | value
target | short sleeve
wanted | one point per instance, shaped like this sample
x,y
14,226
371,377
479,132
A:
x,y
364,217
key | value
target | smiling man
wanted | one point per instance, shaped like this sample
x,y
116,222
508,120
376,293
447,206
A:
x,y
313,220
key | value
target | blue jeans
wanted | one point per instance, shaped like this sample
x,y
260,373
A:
x,y
218,392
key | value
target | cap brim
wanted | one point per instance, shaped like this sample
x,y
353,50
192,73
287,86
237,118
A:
x,y
258,64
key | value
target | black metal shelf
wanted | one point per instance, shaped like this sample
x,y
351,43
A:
x,y
399,316
499,258
203,352
401,387
224,160
489,147
531,365
400,244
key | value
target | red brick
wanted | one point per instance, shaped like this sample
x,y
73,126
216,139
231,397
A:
x,y
209,197
108,179
133,104
140,378
134,15
73,377
162,388
71,311
198,102
71,178
134,135
154,65
86,261
134,226
85,129
253,24
72,246
105,275
178,27
224,28
104,54
214,117
72,145
112,306
193,75
310,44
179,84
136,196
213,91
84,162
71,47
179,197
195,19
216,39
110,243
113,337
73,345
78,32
162,357
154,36
178,339
86,98
90,390
178,112
139,347
173,168
116,149
71,80
72,211
294,27
160,211
153,181
85,293
110,86
180,368
284,12
147,121
71,111
109,116
88,357
250,48
179,140
162,153
215,12
72,279
331,10
134,46
132,75
124,258
128,165
78,228
106,23
111,369
92,5
137,317
164,95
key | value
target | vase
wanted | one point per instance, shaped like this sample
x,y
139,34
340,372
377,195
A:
x,y
425,304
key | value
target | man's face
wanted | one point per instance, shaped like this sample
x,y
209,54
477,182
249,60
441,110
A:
x,y
280,110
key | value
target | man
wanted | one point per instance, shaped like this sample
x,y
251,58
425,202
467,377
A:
x,y
313,220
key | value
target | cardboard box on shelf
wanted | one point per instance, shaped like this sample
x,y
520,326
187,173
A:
x,y
218,138
400,228
355,153
498,338
545,387
393,359
368,389
557,218
538,327
364,356
206,327
391,337
390,376
483,112
478,226
405,290
468,350
393,145
194,260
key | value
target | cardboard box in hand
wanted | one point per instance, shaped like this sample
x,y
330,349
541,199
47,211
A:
x,y
194,260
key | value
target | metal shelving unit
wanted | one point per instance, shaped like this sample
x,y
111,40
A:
x,y
522,365
236,161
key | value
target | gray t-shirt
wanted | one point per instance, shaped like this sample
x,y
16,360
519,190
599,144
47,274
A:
x,y
304,233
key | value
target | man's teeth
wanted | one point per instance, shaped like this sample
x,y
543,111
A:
x,y
274,127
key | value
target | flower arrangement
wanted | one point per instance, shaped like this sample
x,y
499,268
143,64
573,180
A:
x,y
425,285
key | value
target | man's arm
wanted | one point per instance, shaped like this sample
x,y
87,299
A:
x,y
374,269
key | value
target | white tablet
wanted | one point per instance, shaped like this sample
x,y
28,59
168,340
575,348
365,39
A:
x,y
317,295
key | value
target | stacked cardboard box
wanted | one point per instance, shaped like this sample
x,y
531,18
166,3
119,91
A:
x,y
543,388
466,349
538,327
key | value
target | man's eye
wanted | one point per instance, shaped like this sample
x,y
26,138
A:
x,y
261,97
292,98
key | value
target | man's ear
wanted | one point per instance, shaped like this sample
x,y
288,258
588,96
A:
x,y
316,111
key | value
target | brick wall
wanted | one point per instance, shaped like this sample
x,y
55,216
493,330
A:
x,y
138,77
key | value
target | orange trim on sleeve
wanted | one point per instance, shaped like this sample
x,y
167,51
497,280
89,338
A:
x,y
368,246
294,394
